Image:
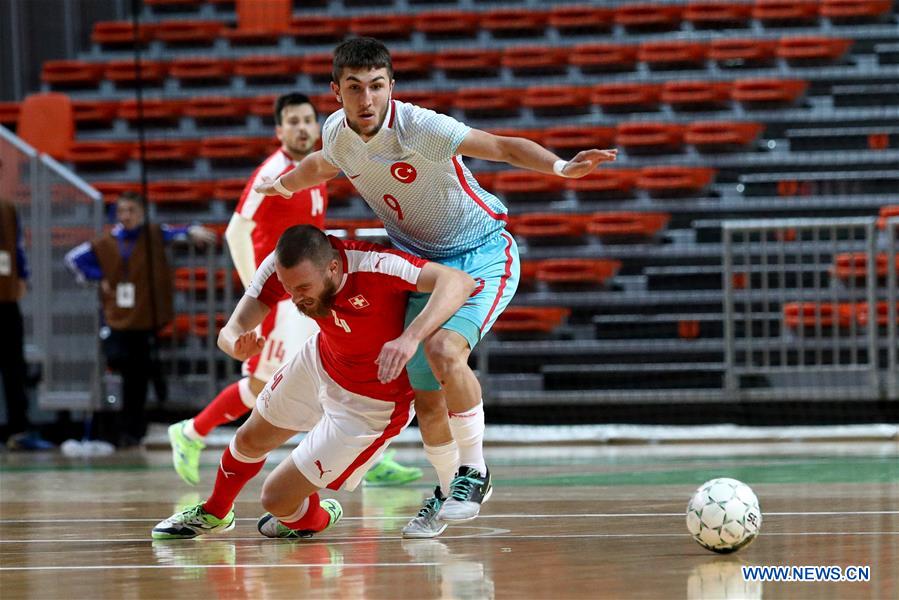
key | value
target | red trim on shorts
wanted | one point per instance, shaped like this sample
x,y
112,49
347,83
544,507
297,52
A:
x,y
398,420
502,282
470,192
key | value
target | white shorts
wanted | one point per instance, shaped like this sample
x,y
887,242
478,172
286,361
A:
x,y
348,432
285,330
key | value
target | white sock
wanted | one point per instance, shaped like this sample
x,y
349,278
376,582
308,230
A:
x,y
191,433
297,514
445,460
246,394
468,431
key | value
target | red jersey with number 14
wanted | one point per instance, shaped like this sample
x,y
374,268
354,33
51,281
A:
x,y
369,310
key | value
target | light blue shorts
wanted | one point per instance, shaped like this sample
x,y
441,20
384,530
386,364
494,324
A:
x,y
495,266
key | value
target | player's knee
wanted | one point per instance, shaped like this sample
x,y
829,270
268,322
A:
x,y
274,501
444,354
429,407
248,444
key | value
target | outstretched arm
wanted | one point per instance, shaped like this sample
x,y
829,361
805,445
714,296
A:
x,y
238,338
312,170
526,154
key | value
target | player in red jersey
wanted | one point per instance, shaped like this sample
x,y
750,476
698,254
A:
x,y
347,385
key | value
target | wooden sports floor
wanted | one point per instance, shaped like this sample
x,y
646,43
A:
x,y
564,522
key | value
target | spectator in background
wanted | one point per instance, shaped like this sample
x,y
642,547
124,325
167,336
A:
x,y
136,296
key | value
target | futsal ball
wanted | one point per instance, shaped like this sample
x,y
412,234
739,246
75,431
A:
x,y
724,515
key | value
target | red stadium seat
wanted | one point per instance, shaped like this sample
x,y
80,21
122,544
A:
x,y
113,189
887,212
268,67
200,323
188,32
318,66
201,69
597,58
47,123
809,315
340,189
71,73
386,27
486,180
696,95
125,71
855,265
95,112
675,181
528,274
236,148
535,59
484,100
717,136
577,271
626,97
616,227
862,313
513,22
438,101
742,52
168,151
534,226
218,108
815,50
468,62
9,114
447,23
260,22
99,154
262,106
575,138
649,17
581,19
412,65
530,319
717,14
672,54
313,29
196,279
556,100
325,104
604,183
228,190
765,92
117,34
527,183
649,138
180,192
853,11
785,12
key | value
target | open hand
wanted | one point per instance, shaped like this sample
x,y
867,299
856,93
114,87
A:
x,y
266,187
585,161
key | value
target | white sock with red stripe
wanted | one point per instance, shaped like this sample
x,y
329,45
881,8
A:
x,y
468,431
445,460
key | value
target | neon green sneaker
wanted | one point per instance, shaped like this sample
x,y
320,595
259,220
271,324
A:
x,y
270,526
190,523
390,472
185,453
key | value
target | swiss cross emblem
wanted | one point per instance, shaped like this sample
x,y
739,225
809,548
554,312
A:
x,y
358,301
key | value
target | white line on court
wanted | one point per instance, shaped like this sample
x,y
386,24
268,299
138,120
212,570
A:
x,y
221,566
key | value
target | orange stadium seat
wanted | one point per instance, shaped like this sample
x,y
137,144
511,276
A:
x,y
447,23
486,180
696,95
528,274
325,104
439,101
185,31
386,27
466,62
675,180
616,227
577,271
768,91
527,183
854,265
71,73
717,14
649,17
236,148
604,183
581,19
717,136
268,67
535,59
514,22
218,108
318,66
887,212
672,54
809,315
851,11
228,190
742,52
818,50
551,226
111,190
597,58
126,72
116,34
46,122
575,138
496,101
314,29
262,106
862,313
782,12
95,112
195,279
412,65
649,138
9,114
626,97
200,69
340,189
200,323
180,192
556,100
99,154
260,22
168,151
530,319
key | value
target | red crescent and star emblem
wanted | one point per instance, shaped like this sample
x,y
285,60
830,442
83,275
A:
x,y
403,172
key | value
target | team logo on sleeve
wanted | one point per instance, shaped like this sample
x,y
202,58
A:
x,y
358,302
403,172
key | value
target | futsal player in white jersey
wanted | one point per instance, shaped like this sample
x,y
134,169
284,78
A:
x,y
406,162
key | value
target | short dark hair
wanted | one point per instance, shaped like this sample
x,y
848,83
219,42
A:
x,y
130,197
304,242
360,53
291,99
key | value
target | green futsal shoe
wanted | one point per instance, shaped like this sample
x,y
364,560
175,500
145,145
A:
x,y
389,472
185,453
270,526
190,523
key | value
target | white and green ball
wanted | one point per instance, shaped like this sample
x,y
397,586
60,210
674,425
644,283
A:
x,y
724,515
